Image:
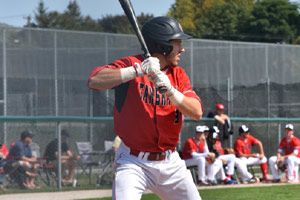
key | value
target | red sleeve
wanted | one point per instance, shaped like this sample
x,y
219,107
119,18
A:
x,y
4,150
252,139
117,64
188,149
296,143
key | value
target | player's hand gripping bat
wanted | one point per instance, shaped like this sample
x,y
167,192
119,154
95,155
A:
x,y
128,9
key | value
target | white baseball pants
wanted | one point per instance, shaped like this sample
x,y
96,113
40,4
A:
x,y
254,161
169,179
233,161
202,164
292,168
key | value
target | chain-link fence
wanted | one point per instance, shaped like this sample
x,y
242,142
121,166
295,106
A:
x,y
45,72
99,132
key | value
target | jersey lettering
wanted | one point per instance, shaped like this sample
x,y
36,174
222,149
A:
x,y
141,89
157,97
147,96
176,117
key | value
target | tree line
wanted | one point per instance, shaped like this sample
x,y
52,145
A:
x,y
273,21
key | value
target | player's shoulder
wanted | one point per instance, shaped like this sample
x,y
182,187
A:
x,y
177,69
190,140
250,137
132,59
294,138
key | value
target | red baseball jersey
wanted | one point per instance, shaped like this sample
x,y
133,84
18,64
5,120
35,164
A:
x,y
191,146
289,146
144,119
244,146
4,150
219,147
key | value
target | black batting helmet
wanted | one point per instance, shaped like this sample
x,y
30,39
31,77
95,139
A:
x,y
159,31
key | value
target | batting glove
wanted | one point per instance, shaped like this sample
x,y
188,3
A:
x,y
161,80
147,67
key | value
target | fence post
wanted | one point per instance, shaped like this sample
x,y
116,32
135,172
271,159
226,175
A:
x,y
4,86
55,74
192,63
279,132
58,134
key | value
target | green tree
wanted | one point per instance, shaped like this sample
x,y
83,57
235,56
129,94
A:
x,y
72,19
217,19
41,17
185,12
273,21
223,21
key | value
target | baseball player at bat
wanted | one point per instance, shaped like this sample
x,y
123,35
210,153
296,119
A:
x,y
290,147
147,121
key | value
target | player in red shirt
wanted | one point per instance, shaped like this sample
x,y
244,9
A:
x,y
290,147
195,152
215,146
3,154
242,148
147,121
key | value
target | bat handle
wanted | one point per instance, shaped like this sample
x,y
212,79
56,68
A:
x,y
162,89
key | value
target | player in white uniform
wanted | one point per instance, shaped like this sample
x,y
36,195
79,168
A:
x,y
195,152
290,147
230,159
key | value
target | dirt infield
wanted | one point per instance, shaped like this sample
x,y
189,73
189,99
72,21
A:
x,y
85,194
69,195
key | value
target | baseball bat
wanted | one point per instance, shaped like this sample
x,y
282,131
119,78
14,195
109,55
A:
x,y
128,9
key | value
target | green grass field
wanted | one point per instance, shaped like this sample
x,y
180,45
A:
x,y
277,192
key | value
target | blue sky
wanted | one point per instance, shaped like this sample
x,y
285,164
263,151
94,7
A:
x,y
14,12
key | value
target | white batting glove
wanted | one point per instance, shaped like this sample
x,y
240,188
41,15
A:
x,y
161,80
147,67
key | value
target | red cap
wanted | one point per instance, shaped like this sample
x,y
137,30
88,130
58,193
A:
x,y
220,106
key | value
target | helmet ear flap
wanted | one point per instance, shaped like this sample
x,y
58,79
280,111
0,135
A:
x,y
164,49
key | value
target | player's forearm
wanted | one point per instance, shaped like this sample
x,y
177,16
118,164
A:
x,y
198,155
191,107
220,120
105,79
261,149
31,160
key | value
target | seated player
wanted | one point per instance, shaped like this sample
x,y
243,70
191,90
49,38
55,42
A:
x,y
195,152
68,159
218,169
20,158
242,148
290,161
228,158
